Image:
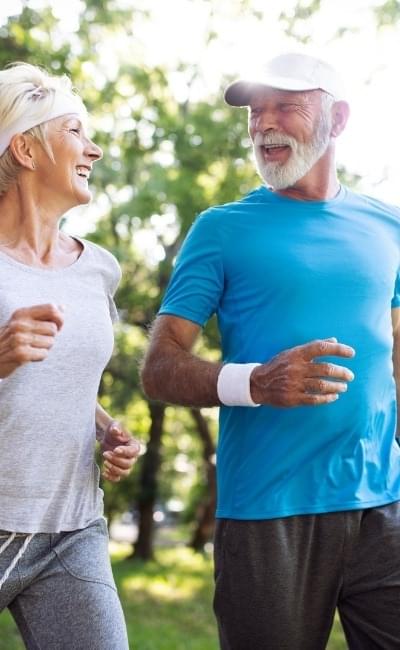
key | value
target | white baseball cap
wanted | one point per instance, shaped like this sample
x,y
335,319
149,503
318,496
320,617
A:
x,y
288,72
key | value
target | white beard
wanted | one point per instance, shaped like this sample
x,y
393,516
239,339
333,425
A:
x,y
303,156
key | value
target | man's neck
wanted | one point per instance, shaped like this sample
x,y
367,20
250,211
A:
x,y
310,192
319,184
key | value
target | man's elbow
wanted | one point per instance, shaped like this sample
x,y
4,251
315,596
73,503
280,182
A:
x,y
148,379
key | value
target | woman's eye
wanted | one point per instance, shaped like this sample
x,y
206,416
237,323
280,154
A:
x,y
75,131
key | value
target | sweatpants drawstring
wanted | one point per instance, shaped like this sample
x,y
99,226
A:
x,y
20,553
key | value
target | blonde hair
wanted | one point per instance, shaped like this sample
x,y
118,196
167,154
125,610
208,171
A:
x,y
27,90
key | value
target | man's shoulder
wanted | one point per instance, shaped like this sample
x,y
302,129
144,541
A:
x,y
251,200
373,203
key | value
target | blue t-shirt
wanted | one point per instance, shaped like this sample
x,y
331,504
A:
x,y
279,273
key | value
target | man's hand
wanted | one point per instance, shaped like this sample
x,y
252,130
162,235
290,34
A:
x,y
28,336
120,452
293,378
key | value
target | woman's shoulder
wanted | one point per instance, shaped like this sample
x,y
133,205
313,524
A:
x,y
98,252
104,259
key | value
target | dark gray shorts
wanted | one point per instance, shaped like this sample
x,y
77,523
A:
x,y
279,581
62,593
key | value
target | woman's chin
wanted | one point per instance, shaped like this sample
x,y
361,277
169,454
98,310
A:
x,y
82,198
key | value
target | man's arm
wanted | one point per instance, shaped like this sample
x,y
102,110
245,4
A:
x,y
171,373
396,360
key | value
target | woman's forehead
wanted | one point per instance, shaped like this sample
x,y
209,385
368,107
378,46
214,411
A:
x,y
63,120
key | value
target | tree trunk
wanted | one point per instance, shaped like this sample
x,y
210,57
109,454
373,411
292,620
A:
x,y
143,547
205,519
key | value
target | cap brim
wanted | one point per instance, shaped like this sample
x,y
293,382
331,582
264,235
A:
x,y
239,93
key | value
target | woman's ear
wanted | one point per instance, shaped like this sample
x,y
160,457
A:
x,y
340,115
22,149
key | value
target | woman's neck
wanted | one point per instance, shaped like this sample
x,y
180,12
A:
x,y
31,235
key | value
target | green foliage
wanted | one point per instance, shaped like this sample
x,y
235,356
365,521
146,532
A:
x,y
348,179
169,601
388,13
295,20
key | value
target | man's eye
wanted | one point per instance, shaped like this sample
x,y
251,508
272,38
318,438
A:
x,y
75,131
288,107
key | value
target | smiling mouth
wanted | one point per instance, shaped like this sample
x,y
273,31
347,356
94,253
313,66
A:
x,y
83,172
274,148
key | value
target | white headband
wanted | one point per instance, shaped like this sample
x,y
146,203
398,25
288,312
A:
x,y
63,105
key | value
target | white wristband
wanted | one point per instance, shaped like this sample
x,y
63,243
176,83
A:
x,y
233,384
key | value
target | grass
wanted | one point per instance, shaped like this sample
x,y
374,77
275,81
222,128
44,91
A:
x,y
167,603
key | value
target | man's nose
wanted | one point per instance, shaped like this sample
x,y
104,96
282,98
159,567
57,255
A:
x,y
267,120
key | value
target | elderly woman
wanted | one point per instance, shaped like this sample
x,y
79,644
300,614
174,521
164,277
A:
x,y
56,312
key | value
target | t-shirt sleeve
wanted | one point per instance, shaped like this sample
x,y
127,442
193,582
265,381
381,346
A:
x,y
114,280
197,281
396,296
111,276
113,309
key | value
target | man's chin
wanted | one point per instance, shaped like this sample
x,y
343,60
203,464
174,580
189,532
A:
x,y
280,177
271,181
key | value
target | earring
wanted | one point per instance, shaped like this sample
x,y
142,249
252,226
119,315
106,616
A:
x,y
33,164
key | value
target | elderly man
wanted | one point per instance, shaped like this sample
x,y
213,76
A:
x,y
303,276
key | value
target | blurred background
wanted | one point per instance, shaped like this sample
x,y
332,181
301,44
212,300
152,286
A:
x,y
151,74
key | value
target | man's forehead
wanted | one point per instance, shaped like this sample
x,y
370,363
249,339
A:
x,y
266,93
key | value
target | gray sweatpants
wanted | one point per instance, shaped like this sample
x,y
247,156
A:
x,y
279,581
62,593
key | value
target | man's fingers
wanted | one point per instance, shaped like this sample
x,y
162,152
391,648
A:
x,y
326,348
324,387
319,400
330,370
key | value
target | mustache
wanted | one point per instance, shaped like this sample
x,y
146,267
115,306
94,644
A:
x,y
274,137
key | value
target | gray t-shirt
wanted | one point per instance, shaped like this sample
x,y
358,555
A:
x,y
49,481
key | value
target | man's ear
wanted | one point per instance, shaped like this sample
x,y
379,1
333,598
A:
x,y
21,147
340,115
